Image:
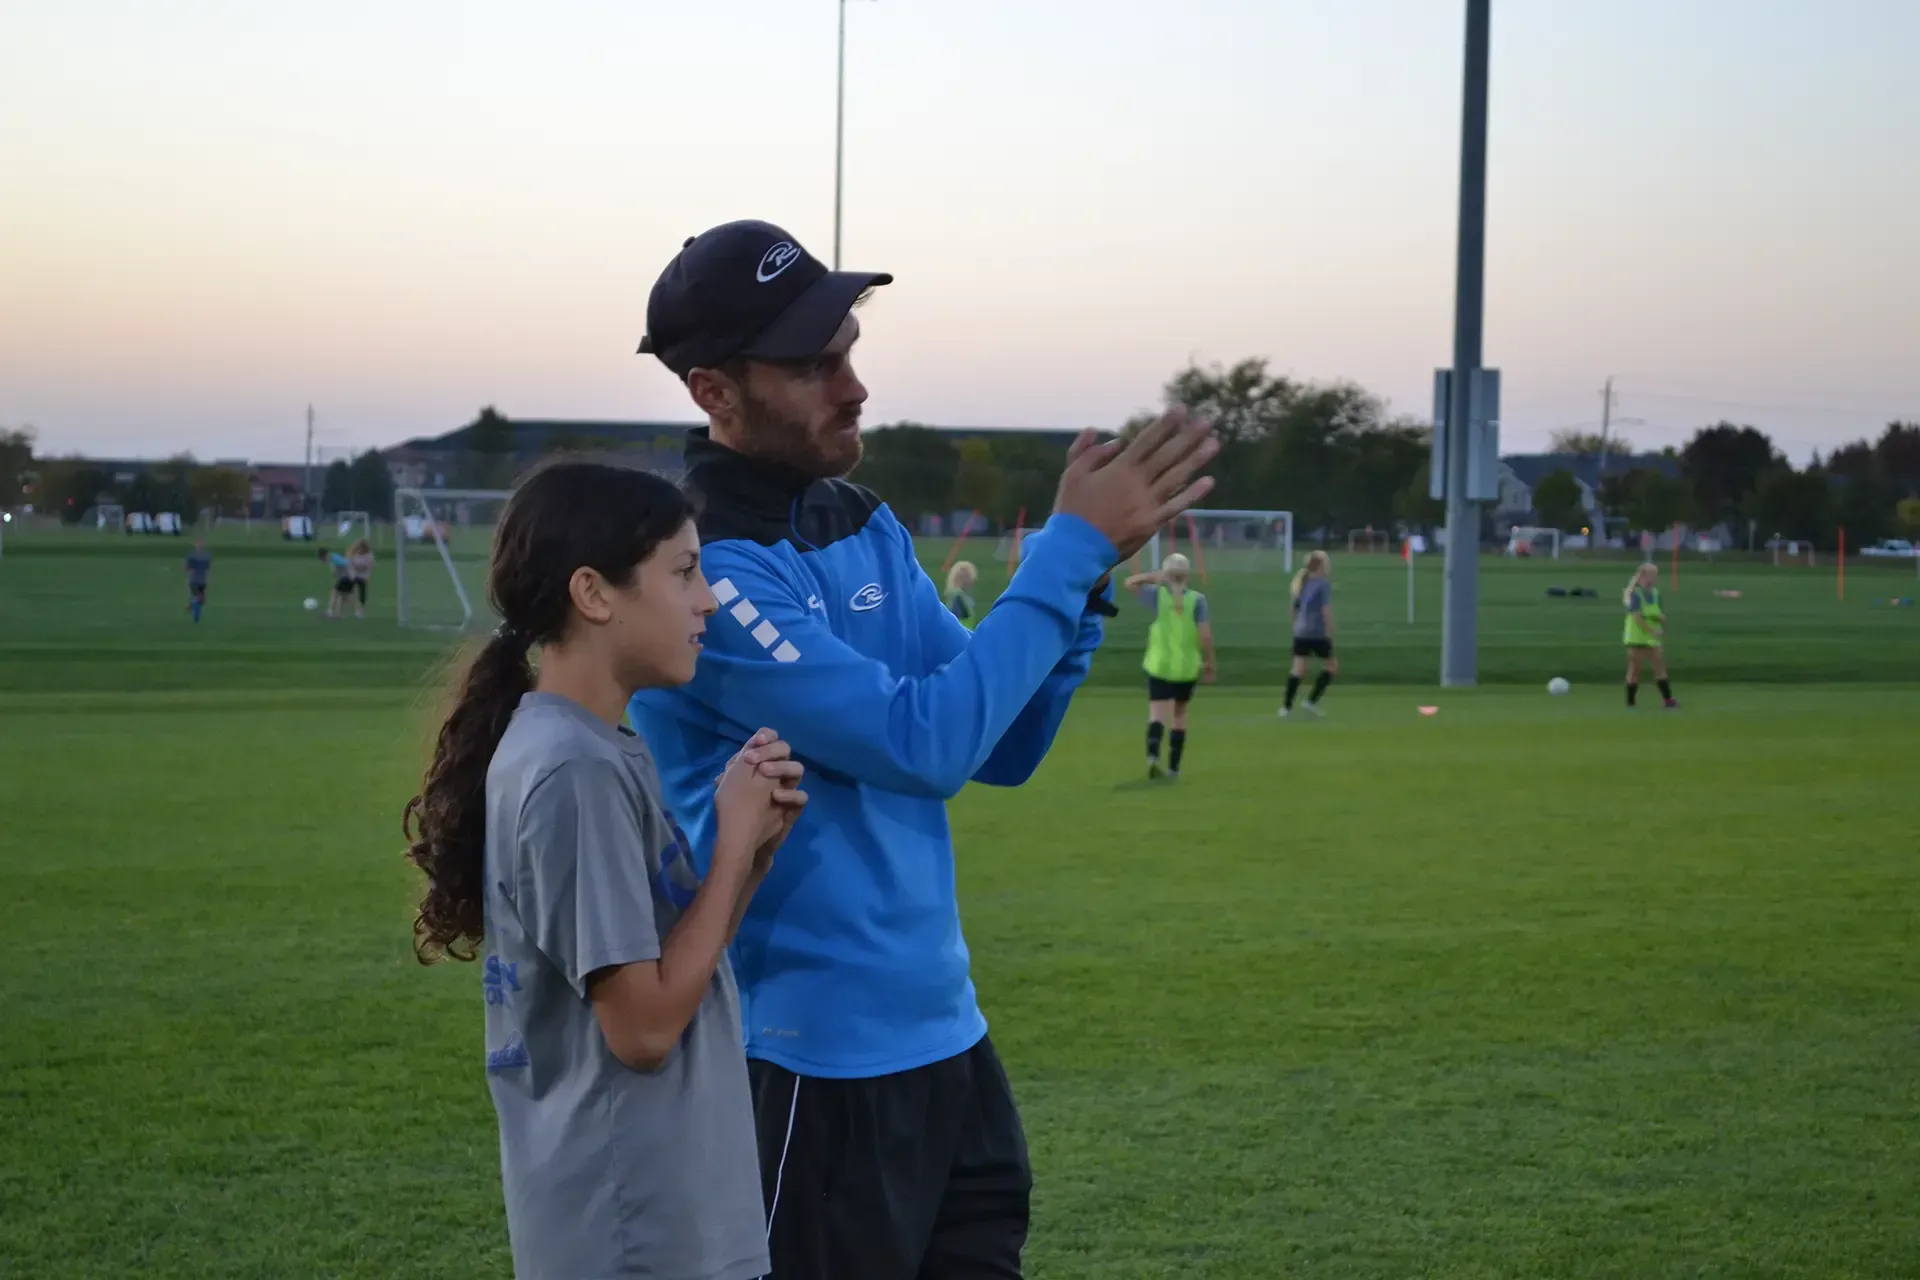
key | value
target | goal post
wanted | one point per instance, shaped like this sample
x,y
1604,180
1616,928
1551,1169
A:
x,y
438,575
1792,551
1529,540
1227,541
1369,540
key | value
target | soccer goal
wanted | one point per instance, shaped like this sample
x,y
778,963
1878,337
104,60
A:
x,y
109,516
355,524
442,541
1227,541
1368,540
1787,551
1530,541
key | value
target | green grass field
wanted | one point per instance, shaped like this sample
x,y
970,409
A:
x,y
1533,987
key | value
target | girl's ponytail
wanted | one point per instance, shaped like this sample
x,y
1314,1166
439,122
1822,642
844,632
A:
x,y
446,824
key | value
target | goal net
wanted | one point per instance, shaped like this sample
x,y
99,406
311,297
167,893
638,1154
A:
x,y
109,516
1227,542
1530,541
443,539
1368,540
1787,551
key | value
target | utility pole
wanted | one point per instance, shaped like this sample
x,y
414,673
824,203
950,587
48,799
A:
x,y
1459,658
306,470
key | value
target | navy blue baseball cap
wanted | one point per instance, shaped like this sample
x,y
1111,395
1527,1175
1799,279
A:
x,y
747,289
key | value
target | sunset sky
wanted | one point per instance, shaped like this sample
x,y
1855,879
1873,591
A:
x,y
212,214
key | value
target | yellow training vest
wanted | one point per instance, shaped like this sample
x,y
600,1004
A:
x,y
1173,642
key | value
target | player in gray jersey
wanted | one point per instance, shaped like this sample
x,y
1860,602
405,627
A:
x,y
614,1052
1312,631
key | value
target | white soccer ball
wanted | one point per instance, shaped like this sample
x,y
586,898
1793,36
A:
x,y
1557,686
309,604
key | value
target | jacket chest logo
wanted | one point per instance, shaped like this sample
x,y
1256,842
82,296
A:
x,y
867,598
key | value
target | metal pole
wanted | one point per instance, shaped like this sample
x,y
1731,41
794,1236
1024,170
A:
x,y
1459,664
1600,469
839,134
1606,421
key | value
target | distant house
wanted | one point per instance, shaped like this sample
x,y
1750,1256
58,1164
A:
x,y
439,462
275,489
1521,472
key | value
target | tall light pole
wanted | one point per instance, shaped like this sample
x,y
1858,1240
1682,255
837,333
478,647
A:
x,y
1459,659
839,133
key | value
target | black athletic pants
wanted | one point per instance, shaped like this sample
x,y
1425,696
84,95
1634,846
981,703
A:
x,y
921,1175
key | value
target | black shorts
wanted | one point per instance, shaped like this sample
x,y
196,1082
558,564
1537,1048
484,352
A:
x,y
1304,647
197,590
920,1175
1159,690
343,586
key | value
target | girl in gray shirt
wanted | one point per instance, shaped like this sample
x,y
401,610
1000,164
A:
x,y
614,1052
1312,631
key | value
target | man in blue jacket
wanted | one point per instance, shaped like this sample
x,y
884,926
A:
x,y
890,1145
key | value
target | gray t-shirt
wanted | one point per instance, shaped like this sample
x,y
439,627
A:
x,y
1310,610
607,1171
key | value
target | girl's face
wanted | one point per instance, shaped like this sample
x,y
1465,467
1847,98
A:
x,y
659,617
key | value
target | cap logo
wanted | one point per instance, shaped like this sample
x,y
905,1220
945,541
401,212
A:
x,y
776,260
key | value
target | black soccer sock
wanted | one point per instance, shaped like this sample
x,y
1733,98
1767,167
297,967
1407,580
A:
x,y
1666,690
1320,686
1176,745
1154,730
1633,691
1293,687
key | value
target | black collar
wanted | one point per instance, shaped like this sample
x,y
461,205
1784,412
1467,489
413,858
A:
x,y
757,484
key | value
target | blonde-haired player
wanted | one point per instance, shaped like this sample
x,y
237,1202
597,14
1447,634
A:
x,y
1646,626
960,580
1312,630
1179,655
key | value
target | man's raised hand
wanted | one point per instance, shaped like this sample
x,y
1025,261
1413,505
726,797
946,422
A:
x,y
1129,490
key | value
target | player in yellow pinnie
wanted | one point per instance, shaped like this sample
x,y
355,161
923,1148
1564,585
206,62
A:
x,y
1179,655
1646,627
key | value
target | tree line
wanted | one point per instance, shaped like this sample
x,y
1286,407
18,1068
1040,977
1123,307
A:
x,y
1731,475
1333,455
71,487
1330,453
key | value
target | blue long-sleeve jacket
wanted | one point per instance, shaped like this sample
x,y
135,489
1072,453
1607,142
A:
x,y
850,960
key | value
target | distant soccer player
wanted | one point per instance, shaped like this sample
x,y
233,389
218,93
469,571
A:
x,y
1312,630
360,568
1646,627
199,563
342,571
1179,655
960,580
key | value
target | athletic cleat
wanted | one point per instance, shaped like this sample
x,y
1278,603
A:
x,y
1285,712
1672,704
1313,709
1153,769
